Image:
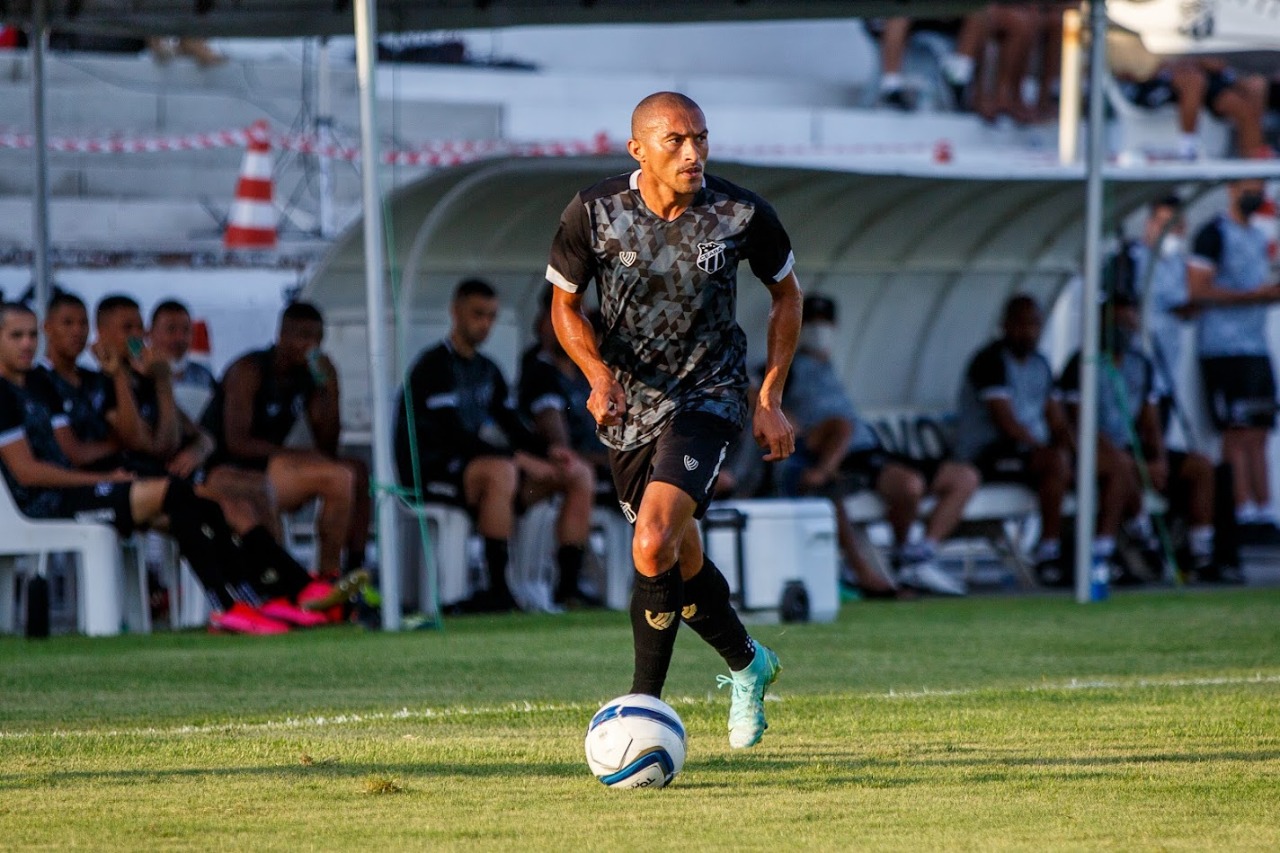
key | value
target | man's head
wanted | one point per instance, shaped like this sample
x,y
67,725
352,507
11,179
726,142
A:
x,y
301,331
18,337
66,327
818,329
1022,324
119,319
474,309
669,141
1165,221
1247,196
170,332
1121,322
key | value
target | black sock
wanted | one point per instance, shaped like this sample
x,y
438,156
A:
x,y
495,558
203,539
708,612
569,559
655,618
272,571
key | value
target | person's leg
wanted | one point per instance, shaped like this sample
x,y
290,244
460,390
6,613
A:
x,y
576,482
240,485
1050,61
658,594
489,485
1117,492
300,476
1016,30
1254,440
1243,104
953,485
361,513
893,47
870,581
1051,474
706,606
1235,442
901,489
1189,84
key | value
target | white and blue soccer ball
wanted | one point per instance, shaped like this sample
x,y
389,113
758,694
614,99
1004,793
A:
x,y
636,741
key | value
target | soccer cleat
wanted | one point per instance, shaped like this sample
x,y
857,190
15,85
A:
x,y
320,596
243,619
284,610
746,709
928,576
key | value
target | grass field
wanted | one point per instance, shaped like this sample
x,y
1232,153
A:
x,y
1151,721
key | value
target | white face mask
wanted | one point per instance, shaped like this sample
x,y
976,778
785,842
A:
x,y
1170,245
179,365
819,337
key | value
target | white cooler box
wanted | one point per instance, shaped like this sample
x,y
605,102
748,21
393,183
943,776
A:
x,y
778,555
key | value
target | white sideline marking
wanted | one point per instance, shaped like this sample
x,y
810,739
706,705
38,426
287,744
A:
x,y
320,722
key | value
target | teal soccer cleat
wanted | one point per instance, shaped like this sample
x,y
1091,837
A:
x,y
746,712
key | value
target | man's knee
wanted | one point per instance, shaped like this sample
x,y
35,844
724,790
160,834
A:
x,y
898,482
654,544
958,477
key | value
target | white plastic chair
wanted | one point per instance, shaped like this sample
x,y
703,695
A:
x,y
440,574
111,580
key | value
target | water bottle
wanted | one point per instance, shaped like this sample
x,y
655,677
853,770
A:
x,y
1099,579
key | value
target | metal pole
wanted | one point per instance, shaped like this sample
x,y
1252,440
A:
x,y
1086,460
40,239
375,278
324,136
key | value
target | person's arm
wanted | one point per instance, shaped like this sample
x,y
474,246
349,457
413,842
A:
x,y
770,427
197,447
34,473
989,379
608,402
166,438
324,410
1202,270
1060,429
241,384
436,421
82,454
122,413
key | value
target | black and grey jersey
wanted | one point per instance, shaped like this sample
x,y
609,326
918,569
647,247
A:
x,y
668,295
26,415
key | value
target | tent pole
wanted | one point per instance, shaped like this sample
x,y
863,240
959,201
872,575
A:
x,y
39,38
375,284
1087,452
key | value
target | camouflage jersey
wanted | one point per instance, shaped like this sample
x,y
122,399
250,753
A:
x,y
668,295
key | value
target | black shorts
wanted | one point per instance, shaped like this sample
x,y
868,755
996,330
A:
x,y
687,454
106,503
861,469
1241,390
1004,462
442,481
1158,91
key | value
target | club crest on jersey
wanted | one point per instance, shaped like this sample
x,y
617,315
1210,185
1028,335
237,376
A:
x,y
711,257
627,258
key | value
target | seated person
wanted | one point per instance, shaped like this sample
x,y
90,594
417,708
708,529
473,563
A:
x,y
1129,424
238,563
957,66
170,335
552,396
252,413
472,447
1011,425
834,445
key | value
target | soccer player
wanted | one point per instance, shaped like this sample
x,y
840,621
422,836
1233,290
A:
x,y
170,335
669,378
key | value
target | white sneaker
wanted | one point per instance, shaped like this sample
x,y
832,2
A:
x,y
930,577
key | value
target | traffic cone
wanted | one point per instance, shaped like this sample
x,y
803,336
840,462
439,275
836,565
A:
x,y
252,224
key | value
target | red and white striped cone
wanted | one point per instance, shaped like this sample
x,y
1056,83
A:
x,y
252,224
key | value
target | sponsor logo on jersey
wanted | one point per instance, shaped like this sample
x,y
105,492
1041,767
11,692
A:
x,y
628,513
660,621
627,258
690,464
711,257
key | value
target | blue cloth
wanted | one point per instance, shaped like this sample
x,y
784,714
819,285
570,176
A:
x,y
1238,254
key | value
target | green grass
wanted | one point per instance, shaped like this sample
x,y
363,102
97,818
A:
x,y
1152,721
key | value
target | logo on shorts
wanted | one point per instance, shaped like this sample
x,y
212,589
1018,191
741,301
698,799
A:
x,y
627,512
660,621
103,489
711,257
690,464
627,258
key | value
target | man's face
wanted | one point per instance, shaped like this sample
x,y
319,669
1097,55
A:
x,y
66,331
18,341
1160,219
117,326
671,147
473,318
297,339
1022,329
1252,187
170,334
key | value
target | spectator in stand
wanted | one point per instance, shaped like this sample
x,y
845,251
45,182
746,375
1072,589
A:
x,y
253,413
1192,84
472,447
1014,27
552,396
238,562
164,50
1227,279
1011,425
837,452
969,34
170,335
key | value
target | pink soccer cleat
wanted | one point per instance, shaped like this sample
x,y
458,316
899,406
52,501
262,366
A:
x,y
284,610
243,619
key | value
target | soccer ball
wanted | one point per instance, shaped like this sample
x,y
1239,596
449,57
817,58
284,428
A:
x,y
635,741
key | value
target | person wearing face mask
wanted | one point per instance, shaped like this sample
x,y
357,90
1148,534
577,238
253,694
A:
x,y
170,336
1011,426
1227,278
837,451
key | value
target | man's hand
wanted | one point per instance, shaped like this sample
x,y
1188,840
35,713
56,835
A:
x,y
108,359
773,432
607,403
148,362
185,462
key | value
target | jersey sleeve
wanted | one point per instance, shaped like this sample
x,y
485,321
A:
x,y
1207,248
539,389
12,426
573,263
768,245
988,377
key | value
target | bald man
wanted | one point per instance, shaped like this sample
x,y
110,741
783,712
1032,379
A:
x,y
668,377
